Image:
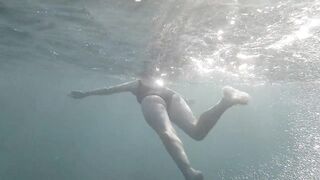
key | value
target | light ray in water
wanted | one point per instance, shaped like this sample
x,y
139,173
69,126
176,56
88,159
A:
x,y
304,32
243,56
219,35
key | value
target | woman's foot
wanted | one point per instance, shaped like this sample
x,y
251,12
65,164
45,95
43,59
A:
x,y
235,96
194,175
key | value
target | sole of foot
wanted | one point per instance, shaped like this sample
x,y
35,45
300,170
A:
x,y
235,96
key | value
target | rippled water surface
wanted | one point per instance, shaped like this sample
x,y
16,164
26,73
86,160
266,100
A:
x,y
266,47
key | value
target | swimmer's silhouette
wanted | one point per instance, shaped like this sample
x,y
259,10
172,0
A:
x,y
161,106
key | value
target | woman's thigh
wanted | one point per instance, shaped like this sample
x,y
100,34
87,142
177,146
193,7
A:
x,y
155,113
181,114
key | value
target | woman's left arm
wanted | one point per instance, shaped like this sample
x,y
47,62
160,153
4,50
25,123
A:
x,y
125,87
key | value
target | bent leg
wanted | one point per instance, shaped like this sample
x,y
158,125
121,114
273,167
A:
x,y
156,115
181,114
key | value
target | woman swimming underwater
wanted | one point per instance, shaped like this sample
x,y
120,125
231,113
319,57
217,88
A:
x,y
161,106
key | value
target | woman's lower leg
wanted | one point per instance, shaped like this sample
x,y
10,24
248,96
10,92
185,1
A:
x,y
175,148
209,118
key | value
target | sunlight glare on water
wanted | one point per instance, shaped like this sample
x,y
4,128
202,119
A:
x,y
305,31
233,32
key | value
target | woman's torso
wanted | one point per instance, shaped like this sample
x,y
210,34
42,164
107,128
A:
x,y
144,90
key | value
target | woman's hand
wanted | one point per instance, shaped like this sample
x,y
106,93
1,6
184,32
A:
x,y
77,94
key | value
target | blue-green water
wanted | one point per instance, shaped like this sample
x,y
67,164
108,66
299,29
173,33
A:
x,y
267,48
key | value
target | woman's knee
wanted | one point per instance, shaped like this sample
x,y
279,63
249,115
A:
x,y
198,135
168,136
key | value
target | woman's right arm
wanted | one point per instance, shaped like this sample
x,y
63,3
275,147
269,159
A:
x,y
125,87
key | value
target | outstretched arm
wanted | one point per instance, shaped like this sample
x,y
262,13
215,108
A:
x,y
125,87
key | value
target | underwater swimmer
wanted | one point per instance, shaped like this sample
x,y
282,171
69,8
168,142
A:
x,y
161,106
